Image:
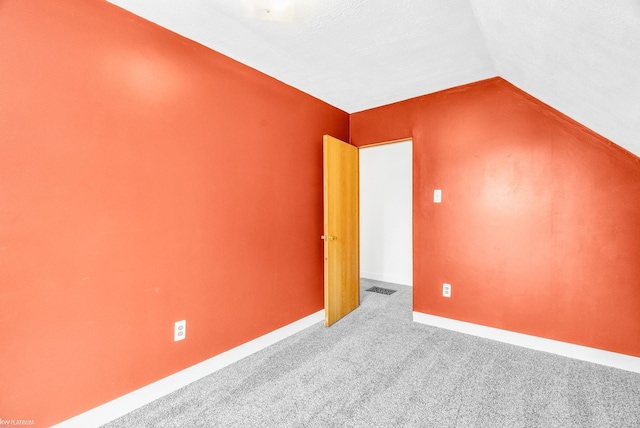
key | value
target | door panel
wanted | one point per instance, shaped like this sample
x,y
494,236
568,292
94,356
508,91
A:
x,y
341,229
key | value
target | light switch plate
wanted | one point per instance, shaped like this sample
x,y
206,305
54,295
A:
x,y
437,196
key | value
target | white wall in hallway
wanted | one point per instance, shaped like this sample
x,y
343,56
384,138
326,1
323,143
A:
x,y
386,213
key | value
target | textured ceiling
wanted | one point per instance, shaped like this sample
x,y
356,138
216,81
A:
x,y
580,56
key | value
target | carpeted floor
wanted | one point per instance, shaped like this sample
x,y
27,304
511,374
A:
x,y
376,368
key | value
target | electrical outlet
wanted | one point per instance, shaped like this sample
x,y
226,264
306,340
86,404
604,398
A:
x,y
180,330
446,290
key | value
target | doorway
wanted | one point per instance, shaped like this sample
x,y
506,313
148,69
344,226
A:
x,y
386,212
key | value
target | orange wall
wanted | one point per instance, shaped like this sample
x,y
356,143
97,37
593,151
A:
x,y
538,231
144,179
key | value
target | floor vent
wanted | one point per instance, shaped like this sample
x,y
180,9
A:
x,y
381,290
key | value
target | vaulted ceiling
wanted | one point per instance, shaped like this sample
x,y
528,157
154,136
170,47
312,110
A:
x,y
581,57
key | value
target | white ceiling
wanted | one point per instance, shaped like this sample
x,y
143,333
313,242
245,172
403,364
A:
x,y
580,56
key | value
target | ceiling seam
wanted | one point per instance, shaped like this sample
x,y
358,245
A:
x,y
483,34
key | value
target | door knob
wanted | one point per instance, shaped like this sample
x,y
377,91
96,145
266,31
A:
x,y
329,237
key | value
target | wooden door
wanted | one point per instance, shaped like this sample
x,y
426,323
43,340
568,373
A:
x,y
341,229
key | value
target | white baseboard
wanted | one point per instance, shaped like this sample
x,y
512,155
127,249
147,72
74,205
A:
x,y
387,278
592,355
138,398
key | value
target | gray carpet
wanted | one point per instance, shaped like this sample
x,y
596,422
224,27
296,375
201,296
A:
x,y
376,368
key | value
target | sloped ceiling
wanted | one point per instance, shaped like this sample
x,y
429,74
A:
x,y
582,57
